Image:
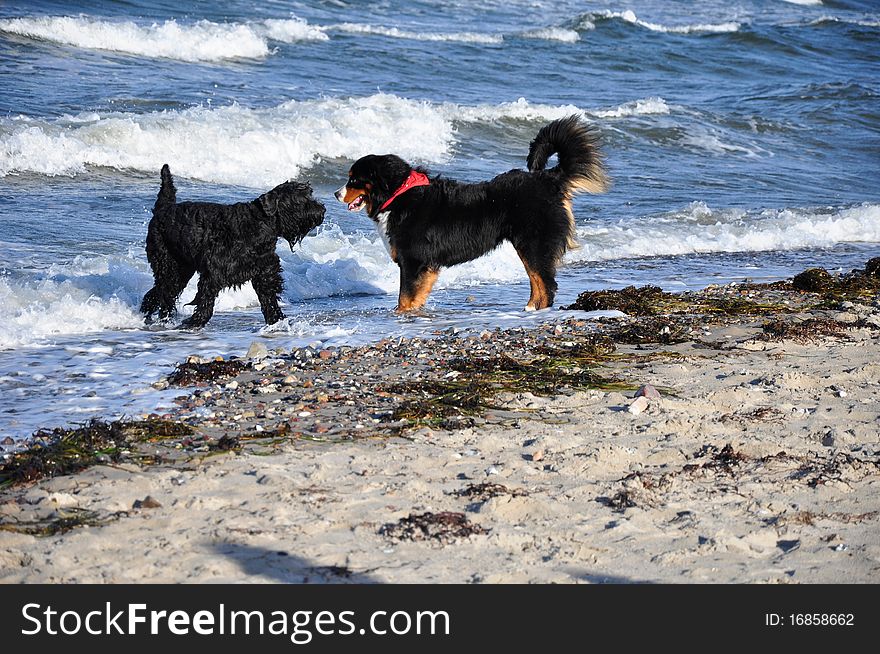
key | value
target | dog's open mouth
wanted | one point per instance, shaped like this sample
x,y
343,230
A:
x,y
358,203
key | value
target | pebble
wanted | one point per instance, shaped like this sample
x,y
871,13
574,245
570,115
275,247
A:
x,y
257,351
638,405
648,391
149,502
232,385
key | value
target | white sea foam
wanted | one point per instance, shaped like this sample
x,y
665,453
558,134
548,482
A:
x,y
202,41
552,34
646,106
520,109
233,144
699,229
89,296
290,30
804,2
588,22
394,32
261,147
865,21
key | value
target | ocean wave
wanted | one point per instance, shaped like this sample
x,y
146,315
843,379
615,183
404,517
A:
x,y
394,32
865,21
261,147
85,297
588,22
552,34
643,107
233,145
700,229
202,41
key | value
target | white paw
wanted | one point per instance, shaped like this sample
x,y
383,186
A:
x,y
529,307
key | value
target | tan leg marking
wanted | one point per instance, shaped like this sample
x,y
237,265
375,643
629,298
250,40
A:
x,y
422,289
539,298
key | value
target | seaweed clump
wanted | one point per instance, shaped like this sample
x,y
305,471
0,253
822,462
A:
x,y
854,286
633,301
194,372
445,527
435,402
61,522
60,451
804,331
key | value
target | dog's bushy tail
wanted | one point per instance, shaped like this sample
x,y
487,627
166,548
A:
x,y
580,159
167,192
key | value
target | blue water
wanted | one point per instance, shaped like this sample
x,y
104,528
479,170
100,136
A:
x,y
743,139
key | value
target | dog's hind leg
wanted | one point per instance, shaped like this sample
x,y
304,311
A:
x,y
416,282
204,301
268,285
541,270
162,298
170,277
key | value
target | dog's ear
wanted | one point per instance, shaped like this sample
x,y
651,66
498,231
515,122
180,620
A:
x,y
269,202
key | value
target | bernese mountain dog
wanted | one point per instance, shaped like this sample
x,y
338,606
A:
x,y
432,223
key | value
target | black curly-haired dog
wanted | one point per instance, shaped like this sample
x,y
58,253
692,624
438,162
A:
x,y
227,244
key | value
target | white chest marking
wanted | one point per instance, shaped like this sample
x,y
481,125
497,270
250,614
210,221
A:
x,y
382,228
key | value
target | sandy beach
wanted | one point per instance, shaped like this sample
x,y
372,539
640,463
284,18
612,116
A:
x,y
525,456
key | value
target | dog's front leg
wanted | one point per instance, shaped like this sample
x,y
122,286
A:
x,y
204,302
416,282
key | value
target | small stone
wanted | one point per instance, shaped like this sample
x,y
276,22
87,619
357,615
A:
x,y
325,354
290,380
304,414
160,385
538,455
648,391
7,441
257,351
232,385
638,405
149,502
63,500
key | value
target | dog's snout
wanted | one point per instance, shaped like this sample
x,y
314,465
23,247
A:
x,y
340,193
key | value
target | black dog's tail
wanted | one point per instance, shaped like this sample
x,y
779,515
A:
x,y
580,159
167,193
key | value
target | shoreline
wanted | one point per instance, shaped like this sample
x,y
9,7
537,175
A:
x,y
522,455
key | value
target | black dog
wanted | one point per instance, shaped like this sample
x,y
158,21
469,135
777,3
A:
x,y
428,224
227,244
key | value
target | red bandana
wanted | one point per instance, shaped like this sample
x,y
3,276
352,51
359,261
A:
x,y
415,179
